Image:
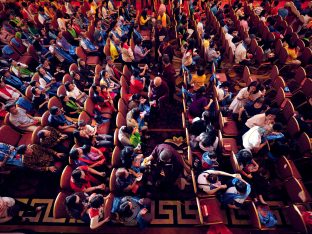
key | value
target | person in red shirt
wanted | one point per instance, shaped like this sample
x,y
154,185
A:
x,y
137,83
82,180
96,211
274,9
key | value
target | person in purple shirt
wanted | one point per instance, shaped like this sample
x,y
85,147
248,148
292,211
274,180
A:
x,y
167,165
199,104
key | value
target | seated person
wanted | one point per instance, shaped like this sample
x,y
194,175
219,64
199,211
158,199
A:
x,y
89,131
128,181
73,92
236,194
209,181
224,95
198,80
129,136
21,120
109,81
39,158
9,156
39,100
82,180
71,108
59,121
87,156
132,211
249,168
10,95
137,83
51,138
252,109
77,205
96,211
135,119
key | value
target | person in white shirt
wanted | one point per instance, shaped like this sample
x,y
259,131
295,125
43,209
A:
x,y
241,55
252,139
73,92
209,182
262,119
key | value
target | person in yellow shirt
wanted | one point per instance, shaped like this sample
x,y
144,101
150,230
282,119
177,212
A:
x,y
293,52
198,81
162,16
144,18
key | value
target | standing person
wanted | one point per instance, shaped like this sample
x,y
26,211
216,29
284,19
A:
x,y
160,34
169,75
126,52
243,96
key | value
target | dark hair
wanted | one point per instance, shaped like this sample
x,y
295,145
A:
x,y
7,107
54,110
259,100
97,201
32,83
212,178
74,154
40,134
33,90
126,156
70,202
76,174
21,149
240,186
124,209
135,113
200,71
272,111
166,59
277,127
67,84
254,83
244,156
208,138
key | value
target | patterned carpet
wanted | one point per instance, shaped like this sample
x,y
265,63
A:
x,y
165,213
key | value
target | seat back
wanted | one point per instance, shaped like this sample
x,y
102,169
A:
x,y
35,77
253,215
116,161
234,162
296,191
122,108
120,120
284,169
73,68
54,101
9,136
44,118
300,75
288,110
293,127
306,56
28,93
304,144
108,205
280,96
83,116
67,78
112,181
89,106
61,91
34,136
98,69
65,178
296,219
59,207
80,53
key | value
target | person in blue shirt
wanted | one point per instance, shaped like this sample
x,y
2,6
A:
x,y
9,156
14,81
